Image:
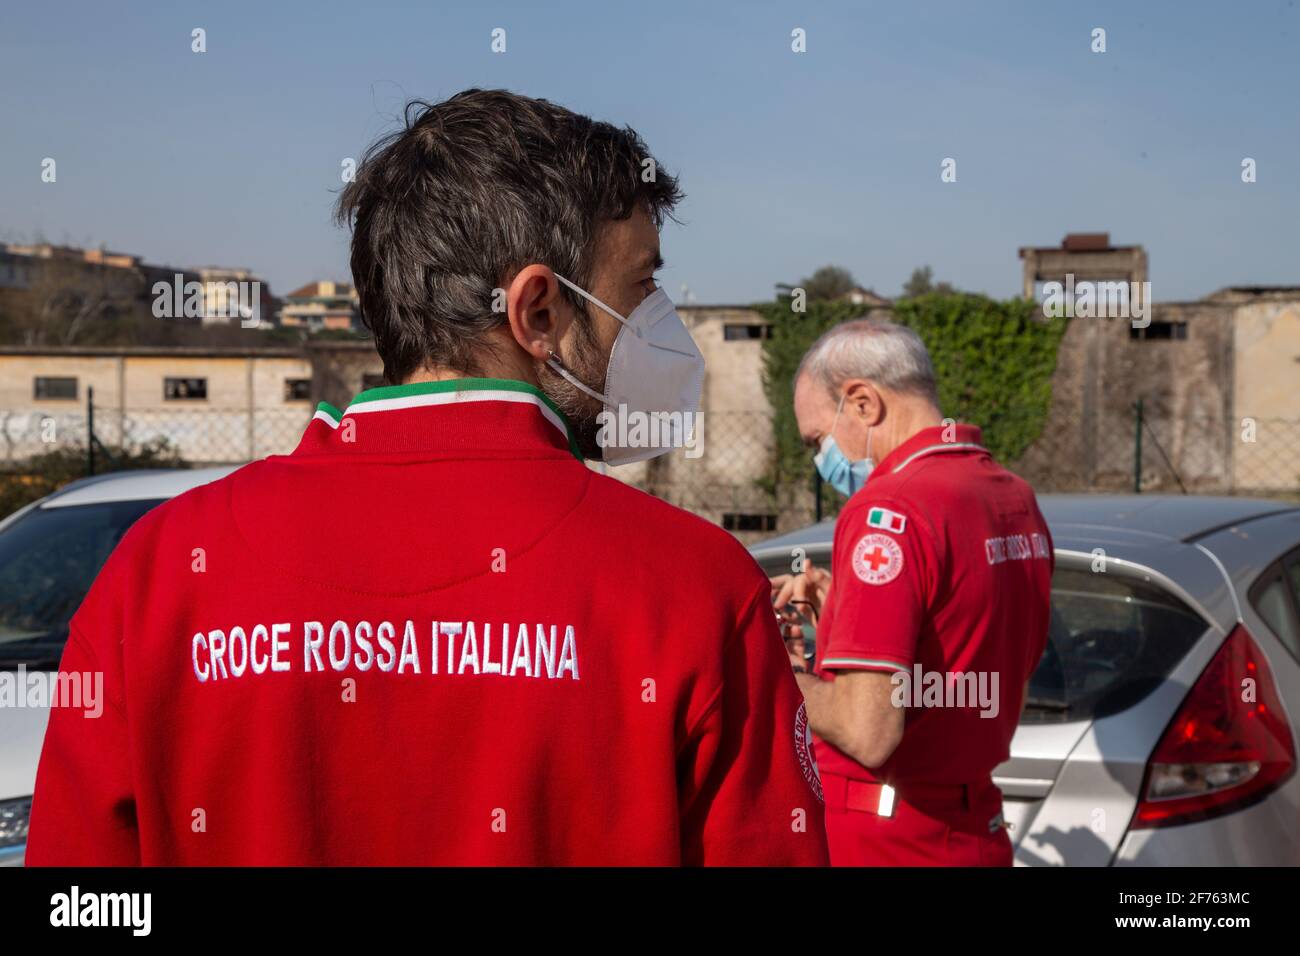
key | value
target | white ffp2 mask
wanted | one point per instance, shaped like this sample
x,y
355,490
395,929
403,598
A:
x,y
654,367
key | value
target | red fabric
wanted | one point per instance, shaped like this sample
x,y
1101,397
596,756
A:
x,y
666,736
919,832
970,596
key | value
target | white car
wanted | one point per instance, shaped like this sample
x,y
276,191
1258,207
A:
x,y
1138,745
50,552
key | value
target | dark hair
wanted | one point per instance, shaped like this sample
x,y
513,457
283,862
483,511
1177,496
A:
x,y
472,189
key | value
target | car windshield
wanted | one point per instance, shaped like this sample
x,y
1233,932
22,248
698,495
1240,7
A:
x,y
48,559
1112,640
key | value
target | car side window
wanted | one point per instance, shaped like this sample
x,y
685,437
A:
x,y
1292,564
1276,597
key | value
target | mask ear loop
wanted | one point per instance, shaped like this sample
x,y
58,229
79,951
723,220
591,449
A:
x,y
870,428
830,435
591,298
836,420
626,324
555,363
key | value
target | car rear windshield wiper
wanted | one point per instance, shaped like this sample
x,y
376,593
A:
x,y
1046,703
32,663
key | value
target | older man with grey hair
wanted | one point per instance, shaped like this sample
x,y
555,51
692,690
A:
x,y
937,617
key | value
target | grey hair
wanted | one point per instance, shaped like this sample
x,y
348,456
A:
x,y
890,355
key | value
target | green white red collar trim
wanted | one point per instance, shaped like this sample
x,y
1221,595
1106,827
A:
x,y
449,392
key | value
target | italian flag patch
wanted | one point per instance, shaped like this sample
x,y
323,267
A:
x,y
886,520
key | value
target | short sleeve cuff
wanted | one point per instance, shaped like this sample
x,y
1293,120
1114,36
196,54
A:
x,y
862,662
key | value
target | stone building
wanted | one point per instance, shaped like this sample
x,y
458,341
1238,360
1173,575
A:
x,y
725,481
211,405
235,296
342,369
1088,256
321,305
1218,380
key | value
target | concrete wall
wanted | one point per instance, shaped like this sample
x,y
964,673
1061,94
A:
x,y
1240,359
1223,404
737,443
1266,395
1088,442
1128,263
245,414
339,370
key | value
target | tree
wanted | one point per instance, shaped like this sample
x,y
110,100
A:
x,y
67,303
826,284
922,283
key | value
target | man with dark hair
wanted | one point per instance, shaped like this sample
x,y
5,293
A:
x,y
432,634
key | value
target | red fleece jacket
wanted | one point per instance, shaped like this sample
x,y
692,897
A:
x,y
430,635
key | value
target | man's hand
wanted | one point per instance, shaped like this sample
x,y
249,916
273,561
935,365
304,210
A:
x,y
799,598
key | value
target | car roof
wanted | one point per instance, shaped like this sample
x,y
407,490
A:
x,y
1181,517
144,484
1159,532
811,535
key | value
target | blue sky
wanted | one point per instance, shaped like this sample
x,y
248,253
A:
x,y
790,161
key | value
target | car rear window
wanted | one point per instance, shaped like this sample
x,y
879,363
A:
x,y
1112,640
48,559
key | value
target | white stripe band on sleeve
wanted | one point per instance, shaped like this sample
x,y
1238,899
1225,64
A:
x,y
863,662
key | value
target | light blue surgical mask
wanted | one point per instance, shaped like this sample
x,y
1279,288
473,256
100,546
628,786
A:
x,y
836,469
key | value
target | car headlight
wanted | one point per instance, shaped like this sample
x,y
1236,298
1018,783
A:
x,y
14,815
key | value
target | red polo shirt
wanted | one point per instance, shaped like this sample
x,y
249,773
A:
x,y
942,572
431,635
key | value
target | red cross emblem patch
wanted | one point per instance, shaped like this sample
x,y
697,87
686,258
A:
x,y
877,559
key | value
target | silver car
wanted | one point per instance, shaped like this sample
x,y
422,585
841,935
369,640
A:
x,y
50,552
1161,723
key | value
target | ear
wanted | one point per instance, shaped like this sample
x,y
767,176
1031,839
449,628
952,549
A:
x,y
864,400
536,311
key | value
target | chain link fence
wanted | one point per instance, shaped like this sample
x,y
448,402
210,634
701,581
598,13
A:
x,y
1145,449
1138,448
727,479
194,437
206,436
1267,457
730,480
42,449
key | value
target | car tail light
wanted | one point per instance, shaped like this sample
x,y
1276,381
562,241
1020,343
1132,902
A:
x,y
1227,747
